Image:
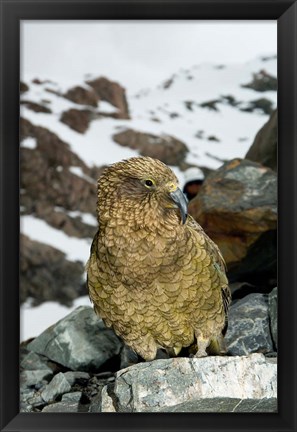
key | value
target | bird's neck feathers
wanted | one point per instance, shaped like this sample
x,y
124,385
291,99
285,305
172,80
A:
x,y
146,213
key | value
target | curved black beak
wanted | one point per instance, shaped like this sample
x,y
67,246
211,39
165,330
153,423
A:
x,y
181,201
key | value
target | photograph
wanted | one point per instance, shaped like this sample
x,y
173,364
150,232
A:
x,y
148,216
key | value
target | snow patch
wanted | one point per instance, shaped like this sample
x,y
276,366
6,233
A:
x,y
79,173
34,320
75,249
29,142
87,218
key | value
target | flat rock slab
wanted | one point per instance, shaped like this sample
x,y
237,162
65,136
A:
x,y
210,384
80,341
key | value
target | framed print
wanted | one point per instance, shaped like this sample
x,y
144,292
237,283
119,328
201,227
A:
x,y
178,312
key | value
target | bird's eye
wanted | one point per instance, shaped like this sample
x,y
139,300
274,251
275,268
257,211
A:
x,y
149,183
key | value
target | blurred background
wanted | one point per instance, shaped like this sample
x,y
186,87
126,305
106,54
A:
x,y
192,94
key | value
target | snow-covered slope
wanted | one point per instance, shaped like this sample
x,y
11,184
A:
x,y
203,106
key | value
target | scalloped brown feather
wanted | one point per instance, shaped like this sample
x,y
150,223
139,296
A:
x,y
157,282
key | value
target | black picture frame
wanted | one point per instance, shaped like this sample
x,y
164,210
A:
x,y
12,12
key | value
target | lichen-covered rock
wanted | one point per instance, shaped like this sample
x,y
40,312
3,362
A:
x,y
80,341
210,384
248,326
264,147
237,207
272,304
166,148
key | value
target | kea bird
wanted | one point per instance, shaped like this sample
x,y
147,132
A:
x,y
154,276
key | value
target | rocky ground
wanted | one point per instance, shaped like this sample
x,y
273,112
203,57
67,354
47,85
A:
x,y
75,366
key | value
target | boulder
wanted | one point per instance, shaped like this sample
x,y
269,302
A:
x,y
82,96
248,326
210,384
58,386
264,147
165,148
23,87
113,93
76,119
262,81
46,274
36,107
262,105
33,361
237,207
80,341
29,378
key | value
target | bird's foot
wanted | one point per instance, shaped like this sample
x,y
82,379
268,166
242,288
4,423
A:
x,y
202,344
200,353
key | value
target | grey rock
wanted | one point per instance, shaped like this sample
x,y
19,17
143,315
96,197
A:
x,y
58,385
33,361
248,329
33,377
73,377
210,384
66,406
272,304
36,400
80,341
26,394
106,401
72,397
26,409
95,405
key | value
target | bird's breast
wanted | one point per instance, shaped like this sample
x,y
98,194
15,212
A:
x,y
137,256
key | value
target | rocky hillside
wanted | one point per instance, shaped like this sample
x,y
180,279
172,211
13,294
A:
x,y
220,118
201,116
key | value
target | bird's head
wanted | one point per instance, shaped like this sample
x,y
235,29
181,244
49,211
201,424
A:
x,y
141,187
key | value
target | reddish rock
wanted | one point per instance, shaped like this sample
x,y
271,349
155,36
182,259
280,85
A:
x,y
82,96
237,207
264,147
23,87
77,120
113,93
33,106
165,148
46,274
46,180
